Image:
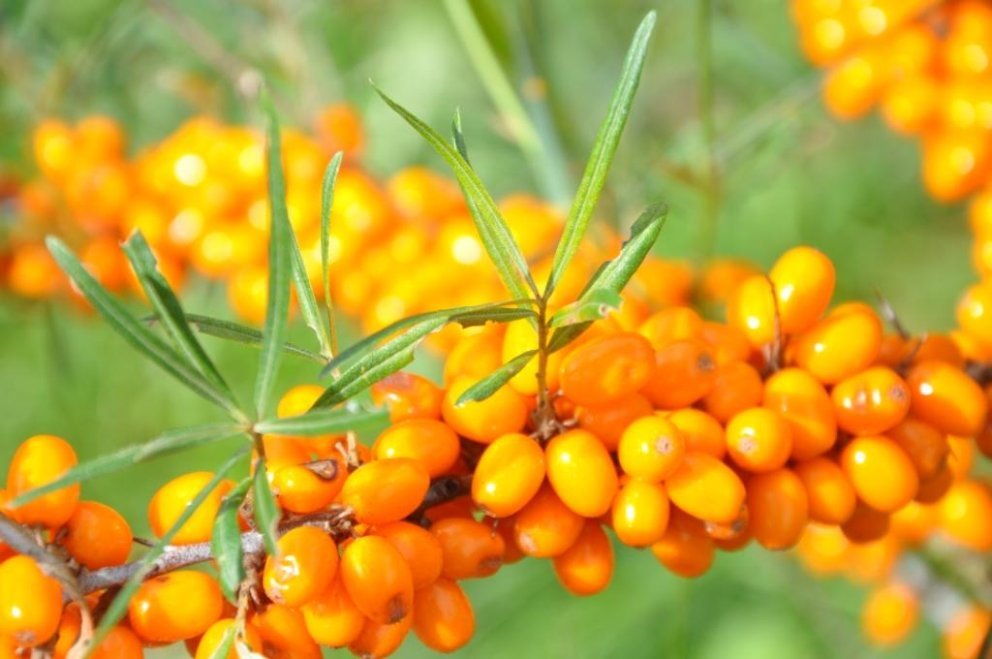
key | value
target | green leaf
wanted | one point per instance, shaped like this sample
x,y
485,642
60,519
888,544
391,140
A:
x,y
493,231
280,267
133,331
146,564
363,378
225,329
323,422
168,442
225,542
490,384
326,203
309,309
265,508
593,306
171,313
458,137
614,275
603,151
223,649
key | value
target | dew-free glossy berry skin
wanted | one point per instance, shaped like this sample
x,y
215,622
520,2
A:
x,y
171,500
30,602
685,549
39,460
926,446
380,640
738,386
96,536
847,341
384,491
830,494
427,441
640,513
214,637
702,433
307,488
608,421
419,548
586,567
443,618
807,408
966,515
408,396
508,475
651,448
606,369
377,579
880,472
945,397
470,549
759,439
546,527
778,508
685,372
175,606
331,618
865,524
581,472
889,614
486,420
706,488
303,567
284,634
671,324
751,309
804,281
871,402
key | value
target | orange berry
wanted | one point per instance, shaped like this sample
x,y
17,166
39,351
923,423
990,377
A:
x,y
830,494
303,567
470,549
408,396
30,602
521,337
926,446
331,618
39,460
759,439
385,491
121,643
865,525
546,527
175,606
729,344
955,163
214,637
284,634
974,311
962,456
871,402
934,488
966,515
706,488
702,433
778,508
33,273
671,324
486,420
475,356
586,567
651,448
880,472
96,536
419,548
377,579
172,499
965,632
608,421
914,522
640,513
581,472
443,618
607,368
298,400
807,408
804,281
751,309
945,397
847,341
380,640
890,614
721,277
685,372
508,475
738,386
429,442
309,487
685,549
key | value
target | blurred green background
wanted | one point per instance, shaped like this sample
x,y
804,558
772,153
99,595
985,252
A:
x,y
788,174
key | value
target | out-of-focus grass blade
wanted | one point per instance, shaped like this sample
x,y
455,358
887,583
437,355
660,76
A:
x,y
603,151
225,542
323,422
495,235
146,564
280,267
614,275
490,384
170,311
458,136
133,330
170,441
326,203
593,306
265,508
225,329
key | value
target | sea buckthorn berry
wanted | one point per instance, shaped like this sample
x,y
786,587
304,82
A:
x,y
175,606
729,344
377,578
508,475
30,602
685,372
962,456
581,472
408,396
737,387
847,341
871,401
304,566
706,488
586,567
214,637
685,549
284,634
880,472
607,369
427,441
926,446
475,356
671,324
380,640
470,549
830,494
890,614
298,400
778,508
486,420
331,618
974,312
804,281
385,491
651,448
823,549
914,522
640,513
966,515
443,618
865,525
546,527
171,500
965,632
121,643
751,309
608,421
521,337
759,439
96,536
945,397
419,548
721,277
309,487
702,433
807,408
934,488
39,460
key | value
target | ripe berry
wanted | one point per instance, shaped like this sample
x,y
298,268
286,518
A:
x,y
39,460
214,637
385,491
608,421
685,549
759,439
303,567
284,634
865,524
890,614
706,488
606,369
443,618
419,548
871,401
880,472
486,420
586,567
521,337
581,472
778,508
651,448
685,372
804,283
96,536
309,487
470,549
807,408
966,515
945,397
427,441
830,494
30,602
377,579
926,446
172,499
380,640
702,433
508,475
640,513
175,606
847,341
331,618
408,396
751,309
546,527
738,386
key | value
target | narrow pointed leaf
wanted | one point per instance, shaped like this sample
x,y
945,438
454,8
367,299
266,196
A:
x,y
223,649
493,231
490,384
134,331
458,137
225,329
309,309
168,442
603,151
324,422
265,508
364,378
326,203
597,304
225,542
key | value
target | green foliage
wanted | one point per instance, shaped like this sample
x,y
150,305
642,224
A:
x,y
265,508
490,384
225,541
